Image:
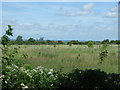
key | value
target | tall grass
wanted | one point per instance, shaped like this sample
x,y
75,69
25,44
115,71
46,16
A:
x,y
68,57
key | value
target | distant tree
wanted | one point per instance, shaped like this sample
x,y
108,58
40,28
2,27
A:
x,y
31,41
49,42
41,39
60,42
118,42
73,42
90,43
113,41
19,38
105,41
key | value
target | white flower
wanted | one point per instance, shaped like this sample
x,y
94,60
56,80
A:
x,y
5,81
51,84
8,67
34,70
14,69
15,65
3,76
22,84
39,67
41,72
24,87
49,72
22,69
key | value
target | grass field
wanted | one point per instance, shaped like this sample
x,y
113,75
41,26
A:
x,y
68,57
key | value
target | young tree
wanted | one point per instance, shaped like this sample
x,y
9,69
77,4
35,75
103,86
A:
x,y
5,39
90,43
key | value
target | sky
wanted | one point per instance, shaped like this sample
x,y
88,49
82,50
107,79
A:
x,y
62,20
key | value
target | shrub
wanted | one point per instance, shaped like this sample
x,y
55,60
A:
x,y
90,43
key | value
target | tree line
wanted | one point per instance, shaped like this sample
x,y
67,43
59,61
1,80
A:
x,y
31,41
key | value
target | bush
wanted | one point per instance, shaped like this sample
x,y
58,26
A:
x,y
90,43
40,78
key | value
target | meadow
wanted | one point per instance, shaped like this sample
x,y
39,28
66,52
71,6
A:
x,y
67,57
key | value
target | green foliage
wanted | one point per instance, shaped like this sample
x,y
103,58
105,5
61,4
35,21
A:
x,y
90,43
5,40
9,31
76,42
24,56
104,46
55,45
70,44
103,55
31,41
60,42
19,38
105,41
89,79
41,78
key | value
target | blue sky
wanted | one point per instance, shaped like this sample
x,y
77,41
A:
x,y
62,20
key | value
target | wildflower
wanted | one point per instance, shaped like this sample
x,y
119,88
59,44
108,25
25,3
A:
x,y
49,72
34,70
8,67
14,69
24,87
56,76
3,76
6,82
22,84
39,67
51,84
41,72
15,65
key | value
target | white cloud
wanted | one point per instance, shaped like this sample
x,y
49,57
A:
x,y
85,10
112,13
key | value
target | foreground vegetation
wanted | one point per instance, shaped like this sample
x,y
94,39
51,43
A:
x,y
16,74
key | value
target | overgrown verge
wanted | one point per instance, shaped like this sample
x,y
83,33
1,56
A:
x,y
18,75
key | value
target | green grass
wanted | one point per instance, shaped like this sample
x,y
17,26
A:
x,y
69,57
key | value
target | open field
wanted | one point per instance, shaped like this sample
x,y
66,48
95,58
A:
x,y
68,57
